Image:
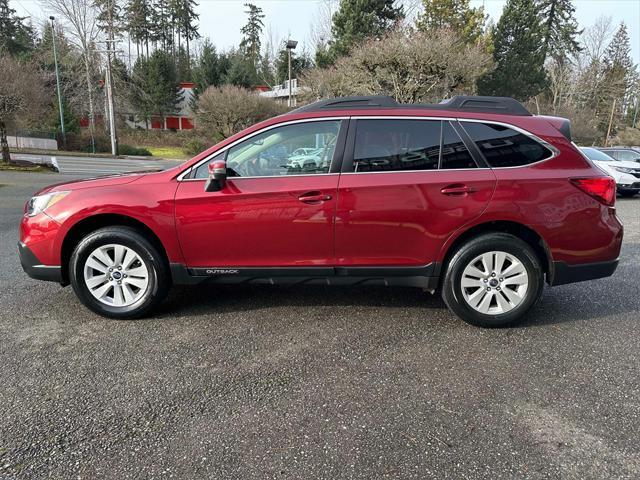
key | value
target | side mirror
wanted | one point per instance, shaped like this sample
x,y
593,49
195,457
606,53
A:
x,y
217,176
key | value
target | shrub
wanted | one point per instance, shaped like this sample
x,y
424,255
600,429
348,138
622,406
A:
x,y
124,149
628,137
195,145
223,111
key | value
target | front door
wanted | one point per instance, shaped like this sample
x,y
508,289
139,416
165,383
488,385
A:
x,y
410,185
278,205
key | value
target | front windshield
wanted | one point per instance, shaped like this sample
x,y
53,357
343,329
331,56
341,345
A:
x,y
594,154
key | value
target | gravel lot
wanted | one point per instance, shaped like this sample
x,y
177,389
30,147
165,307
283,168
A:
x,y
307,382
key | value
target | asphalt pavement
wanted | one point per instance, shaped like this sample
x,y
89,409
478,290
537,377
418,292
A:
x,y
316,382
92,166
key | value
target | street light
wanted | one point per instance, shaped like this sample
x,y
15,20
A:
x,y
55,61
291,45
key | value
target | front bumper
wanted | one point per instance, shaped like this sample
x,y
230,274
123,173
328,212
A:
x,y
34,268
564,273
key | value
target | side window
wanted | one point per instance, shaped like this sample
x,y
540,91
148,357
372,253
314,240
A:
x,y
392,145
203,170
627,156
454,152
298,149
505,147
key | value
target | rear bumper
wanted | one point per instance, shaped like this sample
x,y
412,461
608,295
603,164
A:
x,y
32,266
564,273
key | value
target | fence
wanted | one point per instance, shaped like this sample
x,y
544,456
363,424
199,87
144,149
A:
x,y
28,139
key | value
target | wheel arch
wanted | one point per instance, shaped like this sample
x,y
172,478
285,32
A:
x,y
519,230
90,224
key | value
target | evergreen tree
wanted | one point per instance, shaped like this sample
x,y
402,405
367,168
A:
x,y
355,21
137,14
619,73
209,68
455,15
252,32
16,38
156,87
560,29
518,53
241,70
186,18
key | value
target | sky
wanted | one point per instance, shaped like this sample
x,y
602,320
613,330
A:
x,y
221,20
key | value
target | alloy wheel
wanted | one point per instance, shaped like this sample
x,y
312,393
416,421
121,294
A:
x,y
116,275
494,283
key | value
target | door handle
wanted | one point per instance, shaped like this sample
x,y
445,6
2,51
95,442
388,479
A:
x,y
457,189
314,197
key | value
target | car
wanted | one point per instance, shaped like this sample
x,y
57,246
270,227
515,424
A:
x,y
622,154
626,174
474,197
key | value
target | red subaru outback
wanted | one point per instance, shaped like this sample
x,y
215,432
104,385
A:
x,y
474,196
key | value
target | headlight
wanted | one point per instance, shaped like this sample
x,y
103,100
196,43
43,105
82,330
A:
x,y
40,203
624,169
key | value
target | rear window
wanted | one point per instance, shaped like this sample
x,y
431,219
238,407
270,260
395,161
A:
x,y
505,147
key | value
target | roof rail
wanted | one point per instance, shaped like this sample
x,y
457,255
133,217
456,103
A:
x,y
460,103
349,103
469,103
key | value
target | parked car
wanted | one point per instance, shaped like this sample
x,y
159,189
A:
x,y
622,154
626,174
475,197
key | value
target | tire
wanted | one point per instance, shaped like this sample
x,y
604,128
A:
x,y
512,293
132,291
627,194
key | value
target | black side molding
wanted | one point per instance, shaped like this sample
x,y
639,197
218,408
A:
x,y
564,273
34,268
421,277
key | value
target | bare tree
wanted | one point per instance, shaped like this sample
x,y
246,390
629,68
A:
x,y
223,111
410,66
596,38
21,92
80,18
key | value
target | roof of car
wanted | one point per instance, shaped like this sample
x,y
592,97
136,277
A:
x,y
459,103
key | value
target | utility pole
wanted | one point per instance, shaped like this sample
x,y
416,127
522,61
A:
x,y
55,61
109,82
613,109
112,112
291,45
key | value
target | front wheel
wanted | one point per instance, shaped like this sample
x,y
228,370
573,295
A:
x,y
117,273
493,280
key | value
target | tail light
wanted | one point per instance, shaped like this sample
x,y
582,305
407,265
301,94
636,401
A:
x,y
602,189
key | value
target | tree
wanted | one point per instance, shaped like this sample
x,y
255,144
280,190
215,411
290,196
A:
x,y
186,18
155,86
137,14
619,72
252,31
21,92
560,29
356,21
16,38
410,66
518,53
80,17
226,110
209,68
453,14
241,70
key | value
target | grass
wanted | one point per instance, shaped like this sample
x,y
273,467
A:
x,y
168,152
20,168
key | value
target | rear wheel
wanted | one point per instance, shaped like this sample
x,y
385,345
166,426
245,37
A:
x,y
493,280
118,273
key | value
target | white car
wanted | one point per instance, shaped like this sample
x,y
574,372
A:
x,y
626,174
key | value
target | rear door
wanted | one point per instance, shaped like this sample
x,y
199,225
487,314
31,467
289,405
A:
x,y
407,185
